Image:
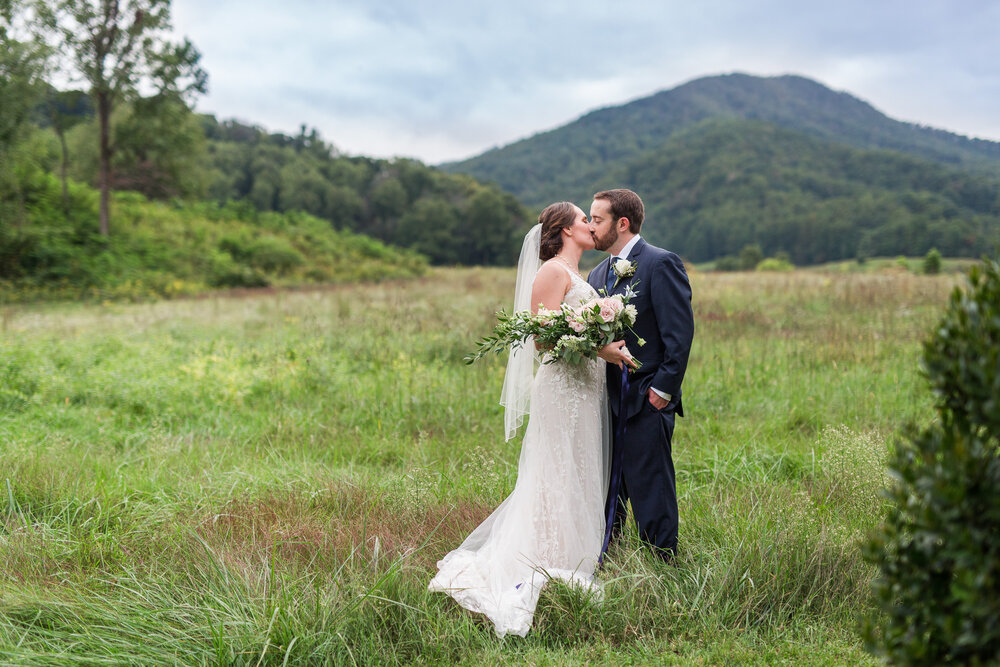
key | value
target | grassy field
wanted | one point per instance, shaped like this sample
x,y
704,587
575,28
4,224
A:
x,y
270,479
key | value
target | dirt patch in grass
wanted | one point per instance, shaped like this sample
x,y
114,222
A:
x,y
346,522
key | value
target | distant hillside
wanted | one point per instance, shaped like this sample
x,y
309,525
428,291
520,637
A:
x,y
723,184
784,162
157,249
449,218
164,151
557,164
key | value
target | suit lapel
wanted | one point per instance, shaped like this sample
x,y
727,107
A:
x,y
633,255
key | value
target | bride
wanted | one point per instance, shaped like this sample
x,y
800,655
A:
x,y
552,524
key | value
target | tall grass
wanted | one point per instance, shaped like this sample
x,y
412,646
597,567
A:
x,y
270,479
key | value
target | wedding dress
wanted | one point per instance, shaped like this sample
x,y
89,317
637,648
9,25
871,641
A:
x,y
552,524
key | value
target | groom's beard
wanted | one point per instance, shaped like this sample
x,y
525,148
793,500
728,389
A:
x,y
606,241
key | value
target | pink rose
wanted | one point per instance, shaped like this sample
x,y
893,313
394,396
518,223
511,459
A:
x,y
545,316
607,313
577,326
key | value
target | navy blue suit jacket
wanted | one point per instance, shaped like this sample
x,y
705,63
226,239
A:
x,y
665,320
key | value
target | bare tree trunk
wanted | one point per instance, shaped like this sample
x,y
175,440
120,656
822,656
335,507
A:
x,y
60,130
63,168
104,182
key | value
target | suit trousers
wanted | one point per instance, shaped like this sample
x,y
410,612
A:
x,y
648,469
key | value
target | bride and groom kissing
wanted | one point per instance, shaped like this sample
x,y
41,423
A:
x,y
599,432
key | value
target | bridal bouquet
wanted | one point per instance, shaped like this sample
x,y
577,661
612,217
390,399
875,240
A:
x,y
569,333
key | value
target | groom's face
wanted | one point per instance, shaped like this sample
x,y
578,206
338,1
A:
x,y
605,230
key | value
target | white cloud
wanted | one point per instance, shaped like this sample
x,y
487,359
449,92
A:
x,y
445,80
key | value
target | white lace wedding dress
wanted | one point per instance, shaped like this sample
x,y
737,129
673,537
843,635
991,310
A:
x,y
552,524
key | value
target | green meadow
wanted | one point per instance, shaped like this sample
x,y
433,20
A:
x,y
269,478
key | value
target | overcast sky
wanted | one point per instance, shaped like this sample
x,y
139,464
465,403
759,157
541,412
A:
x,y
447,80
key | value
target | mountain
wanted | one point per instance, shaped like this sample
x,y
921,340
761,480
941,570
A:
x,y
722,184
720,159
541,168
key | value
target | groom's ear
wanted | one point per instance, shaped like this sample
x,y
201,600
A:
x,y
619,223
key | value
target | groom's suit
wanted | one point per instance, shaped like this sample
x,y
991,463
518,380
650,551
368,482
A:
x,y
666,322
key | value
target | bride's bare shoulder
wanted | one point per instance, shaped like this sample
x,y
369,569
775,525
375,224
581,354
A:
x,y
550,286
552,271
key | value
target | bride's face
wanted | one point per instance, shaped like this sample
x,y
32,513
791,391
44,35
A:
x,y
581,231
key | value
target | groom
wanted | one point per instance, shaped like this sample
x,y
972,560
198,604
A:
x,y
666,323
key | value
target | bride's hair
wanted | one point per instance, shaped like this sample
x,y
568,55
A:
x,y
555,218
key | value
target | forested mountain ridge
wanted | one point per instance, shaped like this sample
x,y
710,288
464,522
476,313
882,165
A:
x,y
783,162
723,183
547,166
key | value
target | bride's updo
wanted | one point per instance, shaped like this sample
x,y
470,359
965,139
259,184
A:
x,y
555,218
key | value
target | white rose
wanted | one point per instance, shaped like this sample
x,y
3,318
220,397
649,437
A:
x,y
623,267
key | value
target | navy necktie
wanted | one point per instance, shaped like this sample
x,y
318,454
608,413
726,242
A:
x,y
609,284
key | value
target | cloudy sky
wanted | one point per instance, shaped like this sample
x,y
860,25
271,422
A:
x,y
443,80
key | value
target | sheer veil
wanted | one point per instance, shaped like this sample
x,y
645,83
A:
x,y
515,396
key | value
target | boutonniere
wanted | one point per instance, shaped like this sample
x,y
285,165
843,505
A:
x,y
623,269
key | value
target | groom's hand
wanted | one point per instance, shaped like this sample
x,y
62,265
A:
x,y
656,400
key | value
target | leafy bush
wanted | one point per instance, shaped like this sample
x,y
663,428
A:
x,y
164,250
932,262
750,257
938,552
775,264
727,263
272,253
225,272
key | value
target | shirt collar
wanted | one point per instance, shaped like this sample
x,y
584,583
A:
x,y
628,248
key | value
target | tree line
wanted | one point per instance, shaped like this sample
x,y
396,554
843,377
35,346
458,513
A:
x,y
114,138
711,188
449,218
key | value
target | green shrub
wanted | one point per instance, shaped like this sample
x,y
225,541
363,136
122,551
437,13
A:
x,y
750,257
269,253
224,272
272,253
938,552
727,263
932,262
775,264
237,244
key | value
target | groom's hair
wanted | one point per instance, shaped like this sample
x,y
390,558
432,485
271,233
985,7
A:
x,y
624,204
